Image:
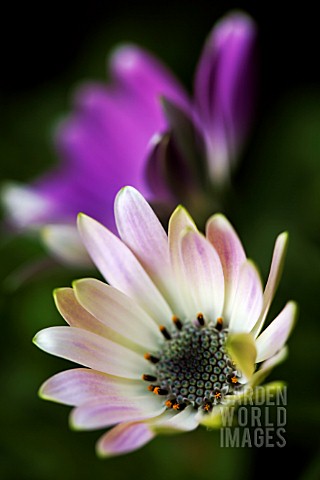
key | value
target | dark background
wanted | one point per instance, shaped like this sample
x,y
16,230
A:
x,y
45,52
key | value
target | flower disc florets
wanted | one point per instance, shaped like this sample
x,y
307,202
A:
x,y
193,366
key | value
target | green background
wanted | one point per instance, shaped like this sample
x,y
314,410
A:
x,y
276,188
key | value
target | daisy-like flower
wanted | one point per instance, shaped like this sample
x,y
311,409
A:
x,y
175,336
108,140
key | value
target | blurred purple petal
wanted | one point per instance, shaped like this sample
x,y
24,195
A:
x,y
103,144
224,90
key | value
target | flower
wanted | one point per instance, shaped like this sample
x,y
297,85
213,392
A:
x,y
174,337
108,140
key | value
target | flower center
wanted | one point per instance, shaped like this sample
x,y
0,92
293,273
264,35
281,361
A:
x,y
193,367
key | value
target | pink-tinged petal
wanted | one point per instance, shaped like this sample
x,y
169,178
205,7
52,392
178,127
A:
x,y
179,221
121,268
117,311
139,72
74,314
102,413
81,385
64,243
247,301
204,275
225,90
260,375
77,316
276,268
124,438
141,230
274,337
227,244
184,421
91,350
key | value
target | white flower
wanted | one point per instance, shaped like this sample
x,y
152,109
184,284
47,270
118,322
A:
x,y
176,334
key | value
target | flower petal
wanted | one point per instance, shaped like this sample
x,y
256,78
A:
x,y
64,243
80,385
242,350
225,90
179,221
276,268
248,299
77,316
232,255
24,205
215,418
204,275
117,311
274,337
101,413
260,375
121,268
124,438
140,72
141,230
91,350
184,421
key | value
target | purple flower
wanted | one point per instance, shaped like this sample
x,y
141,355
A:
x,y
115,135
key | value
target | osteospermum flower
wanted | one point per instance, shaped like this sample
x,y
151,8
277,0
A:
x,y
174,336
105,143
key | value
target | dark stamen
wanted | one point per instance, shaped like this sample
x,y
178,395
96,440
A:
x,y
148,378
160,391
177,322
219,324
151,358
200,319
165,332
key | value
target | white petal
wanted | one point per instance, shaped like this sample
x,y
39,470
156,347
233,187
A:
x,y
119,312
79,385
124,438
91,350
106,412
276,268
232,255
266,367
77,316
274,337
121,268
179,221
248,299
184,421
141,230
203,274
64,242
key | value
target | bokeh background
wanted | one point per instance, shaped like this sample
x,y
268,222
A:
x,y
45,52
